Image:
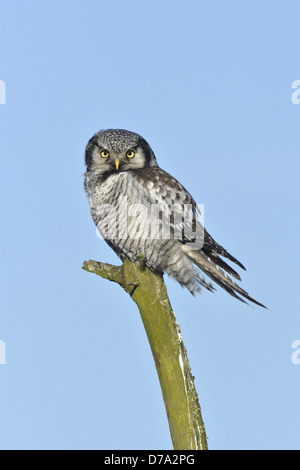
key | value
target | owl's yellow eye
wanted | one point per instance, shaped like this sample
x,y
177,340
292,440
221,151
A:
x,y
104,154
130,154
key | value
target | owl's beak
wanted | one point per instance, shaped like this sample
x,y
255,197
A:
x,y
117,162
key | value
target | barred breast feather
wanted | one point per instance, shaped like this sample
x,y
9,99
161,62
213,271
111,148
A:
x,y
129,209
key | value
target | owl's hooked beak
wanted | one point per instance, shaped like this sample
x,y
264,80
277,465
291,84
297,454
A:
x,y
117,162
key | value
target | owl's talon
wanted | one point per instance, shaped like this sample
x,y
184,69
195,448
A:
x,y
134,287
142,263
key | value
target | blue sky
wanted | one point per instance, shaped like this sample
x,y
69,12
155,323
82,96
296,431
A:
x,y
209,85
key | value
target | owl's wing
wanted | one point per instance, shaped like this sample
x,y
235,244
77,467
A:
x,y
184,215
162,188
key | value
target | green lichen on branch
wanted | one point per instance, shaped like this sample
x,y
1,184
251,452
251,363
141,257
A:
x,y
149,292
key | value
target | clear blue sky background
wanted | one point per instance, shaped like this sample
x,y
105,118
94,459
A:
x,y
208,84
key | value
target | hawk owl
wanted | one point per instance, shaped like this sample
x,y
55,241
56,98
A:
x,y
141,210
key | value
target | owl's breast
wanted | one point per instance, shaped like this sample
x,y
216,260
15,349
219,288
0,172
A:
x,y
128,215
114,188
115,203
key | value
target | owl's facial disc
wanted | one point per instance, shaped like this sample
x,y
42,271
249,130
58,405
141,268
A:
x,y
118,150
105,155
120,160
129,155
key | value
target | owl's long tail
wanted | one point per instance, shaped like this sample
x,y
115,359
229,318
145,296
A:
x,y
211,266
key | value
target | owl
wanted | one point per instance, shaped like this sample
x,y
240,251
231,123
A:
x,y
143,212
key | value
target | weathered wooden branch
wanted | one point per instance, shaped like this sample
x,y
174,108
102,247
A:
x,y
149,292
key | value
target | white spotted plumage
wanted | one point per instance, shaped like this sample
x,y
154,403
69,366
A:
x,y
130,200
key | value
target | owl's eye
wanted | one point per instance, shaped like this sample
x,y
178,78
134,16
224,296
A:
x,y
130,154
104,154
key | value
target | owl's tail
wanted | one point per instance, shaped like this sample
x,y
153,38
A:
x,y
211,266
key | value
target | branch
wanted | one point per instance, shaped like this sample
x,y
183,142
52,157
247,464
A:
x,y
149,292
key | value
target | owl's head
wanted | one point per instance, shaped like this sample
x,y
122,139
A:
x,y
115,150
